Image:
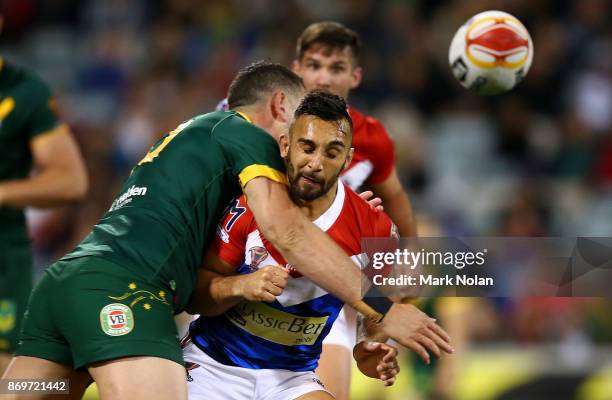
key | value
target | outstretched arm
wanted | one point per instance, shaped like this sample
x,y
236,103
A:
x,y
320,259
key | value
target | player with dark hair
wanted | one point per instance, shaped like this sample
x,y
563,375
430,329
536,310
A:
x,y
243,348
327,58
107,306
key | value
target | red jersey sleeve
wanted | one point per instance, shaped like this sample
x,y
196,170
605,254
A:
x,y
383,227
232,232
381,224
382,151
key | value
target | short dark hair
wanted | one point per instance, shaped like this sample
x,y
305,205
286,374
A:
x,y
332,35
325,106
255,81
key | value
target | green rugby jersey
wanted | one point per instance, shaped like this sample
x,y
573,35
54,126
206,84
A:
x,y
167,212
27,110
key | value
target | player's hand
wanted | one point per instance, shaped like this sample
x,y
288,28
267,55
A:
x,y
264,284
415,330
377,360
375,203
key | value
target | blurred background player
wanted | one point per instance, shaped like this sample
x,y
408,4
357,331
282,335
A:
x,y
327,58
40,166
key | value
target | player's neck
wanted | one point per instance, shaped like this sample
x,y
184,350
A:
x,y
258,118
314,209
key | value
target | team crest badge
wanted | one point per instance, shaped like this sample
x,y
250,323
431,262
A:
x,y
258,254
116,319
8,315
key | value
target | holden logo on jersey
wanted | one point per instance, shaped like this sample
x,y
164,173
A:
x,y
127,197
116,319
258,254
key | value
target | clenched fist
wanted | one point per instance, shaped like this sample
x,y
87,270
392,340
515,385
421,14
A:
x,y
264,284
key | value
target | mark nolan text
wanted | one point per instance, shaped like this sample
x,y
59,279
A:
x,y
431,280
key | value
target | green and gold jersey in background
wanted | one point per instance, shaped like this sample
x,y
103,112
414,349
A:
x,y
27,109
168,209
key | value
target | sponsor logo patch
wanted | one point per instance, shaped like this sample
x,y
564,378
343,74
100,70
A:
x,y
276,326
116,319
127,197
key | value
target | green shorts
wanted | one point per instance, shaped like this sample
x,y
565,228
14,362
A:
x,y
15,287
89,310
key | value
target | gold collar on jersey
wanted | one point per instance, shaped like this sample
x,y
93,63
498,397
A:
x,y
245,116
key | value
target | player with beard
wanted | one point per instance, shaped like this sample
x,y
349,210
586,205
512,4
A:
x,y
327,58
260,332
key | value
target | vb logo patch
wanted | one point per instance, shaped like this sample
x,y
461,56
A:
x,y
116,319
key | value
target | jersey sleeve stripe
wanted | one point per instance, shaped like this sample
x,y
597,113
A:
x,y
256,170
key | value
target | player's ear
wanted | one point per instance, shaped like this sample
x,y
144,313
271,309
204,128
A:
x,y
283,143
278,106
349,158
356,76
